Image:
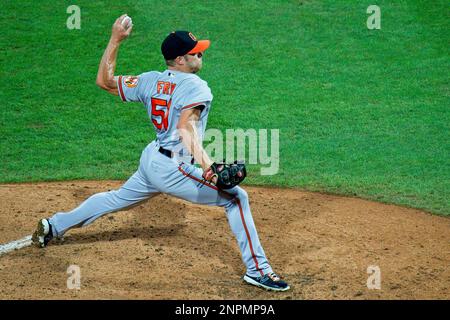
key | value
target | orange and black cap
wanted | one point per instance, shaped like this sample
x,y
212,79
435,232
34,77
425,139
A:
x,y
179,43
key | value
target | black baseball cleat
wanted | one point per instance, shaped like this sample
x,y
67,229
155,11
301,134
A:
x,y
269,281
43,234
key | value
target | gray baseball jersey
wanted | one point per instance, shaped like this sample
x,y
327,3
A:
x,y
165,95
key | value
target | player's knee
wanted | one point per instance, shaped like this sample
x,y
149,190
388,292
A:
x,y
108,197
117,195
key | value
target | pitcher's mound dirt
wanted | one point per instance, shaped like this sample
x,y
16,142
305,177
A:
x,y
167,248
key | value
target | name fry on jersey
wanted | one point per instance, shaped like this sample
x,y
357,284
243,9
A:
x,y
165,87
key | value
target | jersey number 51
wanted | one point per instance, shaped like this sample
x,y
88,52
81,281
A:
x,y
160,113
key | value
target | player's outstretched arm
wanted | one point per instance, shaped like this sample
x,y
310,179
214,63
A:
x,y
105,75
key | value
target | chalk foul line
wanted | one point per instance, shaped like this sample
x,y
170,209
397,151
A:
x,y
15,245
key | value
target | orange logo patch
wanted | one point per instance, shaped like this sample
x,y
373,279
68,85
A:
x,y
131,81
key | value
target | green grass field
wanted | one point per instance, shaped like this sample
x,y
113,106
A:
x,y
361,112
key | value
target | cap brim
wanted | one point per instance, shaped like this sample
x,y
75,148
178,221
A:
x,y
201,46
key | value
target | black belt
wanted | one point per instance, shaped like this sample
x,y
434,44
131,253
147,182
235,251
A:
x,y
169,153
165,152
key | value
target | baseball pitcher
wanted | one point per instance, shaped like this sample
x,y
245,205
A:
x,y
178,104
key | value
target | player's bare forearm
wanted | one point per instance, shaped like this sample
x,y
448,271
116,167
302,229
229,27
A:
x,y
107,67
105,75
188,132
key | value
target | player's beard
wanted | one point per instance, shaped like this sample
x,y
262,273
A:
x,y
194,65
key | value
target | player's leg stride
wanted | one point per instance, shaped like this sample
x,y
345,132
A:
x,y
178,103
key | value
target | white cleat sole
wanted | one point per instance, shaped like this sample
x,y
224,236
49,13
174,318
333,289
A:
x,y
256,283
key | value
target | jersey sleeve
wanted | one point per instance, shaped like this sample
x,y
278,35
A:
x,y
196,95
133,88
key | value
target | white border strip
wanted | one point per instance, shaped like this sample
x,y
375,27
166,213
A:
x,y
15,245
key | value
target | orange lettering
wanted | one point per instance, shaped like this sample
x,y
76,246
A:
x,y
159,86
166,87
172,88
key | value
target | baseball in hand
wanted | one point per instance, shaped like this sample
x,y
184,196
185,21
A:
x,y
127,22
